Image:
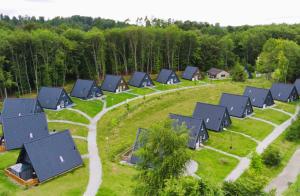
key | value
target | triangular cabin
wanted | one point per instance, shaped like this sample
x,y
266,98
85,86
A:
x,y
259,97
297,85
237,105
86,89
114,83
54,98
284,92
23,129
45,159
167,76
13,107
196,127
140,140
191,73
215,73
140,79
215,117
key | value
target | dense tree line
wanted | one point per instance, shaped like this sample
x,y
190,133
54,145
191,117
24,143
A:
x,y
35,52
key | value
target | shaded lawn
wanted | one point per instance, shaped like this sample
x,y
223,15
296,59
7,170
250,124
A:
x,y
81,146
271,115
115,98
141,91
90,107
294,189
288,107
74,129
184,83
254,128
241,145
66,115
163,87
212,165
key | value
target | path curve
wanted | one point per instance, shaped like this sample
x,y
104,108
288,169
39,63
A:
x,y
245,135
80,112
282,111
263,120
67,122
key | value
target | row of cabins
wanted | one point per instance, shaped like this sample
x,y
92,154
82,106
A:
x,y
218,117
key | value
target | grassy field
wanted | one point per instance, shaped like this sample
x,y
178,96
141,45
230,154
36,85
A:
x,y
115,98
256,129
288,107
81,146
271,115
117,130
74,129
294,189
141,91
90,107
66,115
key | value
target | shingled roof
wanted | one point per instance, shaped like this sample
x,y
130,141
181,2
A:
x,y
141,137
189,72
214,71
111,82
214,116
138,78
49,97
284,92
237,105
23,129
297,85
51,156
164,76
84,88
259,97
196,128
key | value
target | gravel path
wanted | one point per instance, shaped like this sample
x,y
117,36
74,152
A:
x,y
287,176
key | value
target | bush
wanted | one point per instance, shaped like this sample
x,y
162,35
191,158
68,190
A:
x,y
256,162
238,73
293,132
271,157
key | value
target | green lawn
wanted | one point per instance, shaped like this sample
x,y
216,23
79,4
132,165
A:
x,y
288,107
212,165
81,146
190,83
141,91
115,98
254,128
231,142
294,189
74,129
66,115
163,87
90,107
271,115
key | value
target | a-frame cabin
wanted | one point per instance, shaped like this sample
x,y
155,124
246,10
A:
x,y
140,79
86,89
167,76
259,97
284,92
191,73
54,98
114,83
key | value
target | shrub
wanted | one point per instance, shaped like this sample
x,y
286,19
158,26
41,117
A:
x,y
271,157
238,73
293,132
256,162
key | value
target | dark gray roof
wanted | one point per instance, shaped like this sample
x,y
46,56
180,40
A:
x,y
297,85
49,97
164,75
141,137
53,155
189,72
111,83
192,124
257,96
16,107
23,129
82,88
211,114
137,79
281,91
236,104
214,71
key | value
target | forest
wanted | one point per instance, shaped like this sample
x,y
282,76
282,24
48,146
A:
x,y
35,52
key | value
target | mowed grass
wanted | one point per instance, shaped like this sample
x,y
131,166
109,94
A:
x,y
115,98
141,91
163,87
254,128
81,146
288,107
231,142
212,165
74,129
271,115
90,107
294,189
117,131
66,115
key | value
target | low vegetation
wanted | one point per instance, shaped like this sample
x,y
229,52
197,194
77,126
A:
x,y
74,129
90,107
271,115
66,114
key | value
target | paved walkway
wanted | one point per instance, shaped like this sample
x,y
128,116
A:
x,y
287,176
245,162
79,137
191,169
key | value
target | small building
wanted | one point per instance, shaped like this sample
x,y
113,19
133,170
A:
x,y
215,117
86,89
140,140
114,83
297,85
167,76
54,98
13,107
237,105
215,73
191,73
259,97
140,79
23,129
45,159
196,127
284,92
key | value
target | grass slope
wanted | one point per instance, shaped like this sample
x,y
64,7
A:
x,y
74,129
271,115
90,107
66,115
113,98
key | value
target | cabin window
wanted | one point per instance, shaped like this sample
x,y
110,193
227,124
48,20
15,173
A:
x,y
223,75
253,99
20,114
207,120
231,108
279,94
61,159
250,91
30,135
